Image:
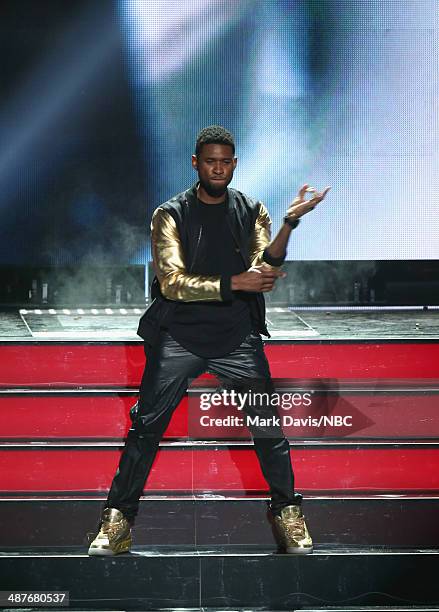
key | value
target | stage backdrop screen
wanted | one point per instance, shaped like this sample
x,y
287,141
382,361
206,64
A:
x,y
101,103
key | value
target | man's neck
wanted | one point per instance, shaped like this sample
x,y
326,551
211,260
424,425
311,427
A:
x,y
208,199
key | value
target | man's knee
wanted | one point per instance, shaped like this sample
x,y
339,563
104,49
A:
x,y
134,411
148,423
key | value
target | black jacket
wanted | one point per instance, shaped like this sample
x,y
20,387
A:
x,y
177,236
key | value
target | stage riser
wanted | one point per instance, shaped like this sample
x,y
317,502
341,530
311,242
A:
x,y
332,468
278,582
377,414
402,522
190,576
121,364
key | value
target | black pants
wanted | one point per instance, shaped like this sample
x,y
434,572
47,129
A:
x,y
164,383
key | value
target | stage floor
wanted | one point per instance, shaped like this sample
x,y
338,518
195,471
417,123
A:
x,y
284,323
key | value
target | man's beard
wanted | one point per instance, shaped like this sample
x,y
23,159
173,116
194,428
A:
x,y
213,190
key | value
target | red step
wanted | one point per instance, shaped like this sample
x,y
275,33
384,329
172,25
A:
x,y
120,364
98,416
373,413
394,468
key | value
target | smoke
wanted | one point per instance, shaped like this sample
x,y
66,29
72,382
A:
x,y
324,282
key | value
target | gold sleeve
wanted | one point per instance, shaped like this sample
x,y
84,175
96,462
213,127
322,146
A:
x,y
261,236
170,266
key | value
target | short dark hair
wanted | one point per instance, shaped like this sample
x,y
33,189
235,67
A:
x,y
214,134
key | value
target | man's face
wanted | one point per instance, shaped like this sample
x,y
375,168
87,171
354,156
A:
x,y
215,166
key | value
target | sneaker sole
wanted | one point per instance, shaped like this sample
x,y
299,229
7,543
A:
x,y
123,547
299,551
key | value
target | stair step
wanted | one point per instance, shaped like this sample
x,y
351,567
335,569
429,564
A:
x,y
217,467
120,363
104,414
399,521
399,411
230,576
392,409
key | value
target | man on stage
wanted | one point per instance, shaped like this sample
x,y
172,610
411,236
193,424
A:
x,y
214,261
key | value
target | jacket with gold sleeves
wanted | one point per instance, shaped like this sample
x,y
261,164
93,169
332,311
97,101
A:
x,y
177,242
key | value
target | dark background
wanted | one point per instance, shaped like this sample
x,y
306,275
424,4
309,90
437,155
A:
x,y
71,166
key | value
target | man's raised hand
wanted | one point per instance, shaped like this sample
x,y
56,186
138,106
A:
x,y
300,206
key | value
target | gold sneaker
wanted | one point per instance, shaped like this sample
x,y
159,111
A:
x,y
292,530
114,536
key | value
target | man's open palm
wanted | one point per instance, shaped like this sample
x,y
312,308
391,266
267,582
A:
x,y
300,206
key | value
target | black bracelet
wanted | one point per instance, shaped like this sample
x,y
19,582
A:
x,y
291,222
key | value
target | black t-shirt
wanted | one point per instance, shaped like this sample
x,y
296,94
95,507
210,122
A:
x,y
214,328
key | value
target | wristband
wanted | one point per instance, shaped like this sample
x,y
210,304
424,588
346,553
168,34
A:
x,y
291,222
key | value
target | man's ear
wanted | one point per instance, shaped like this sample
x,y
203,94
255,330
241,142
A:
x,y
194,162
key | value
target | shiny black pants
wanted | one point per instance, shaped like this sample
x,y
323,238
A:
x,y
164,383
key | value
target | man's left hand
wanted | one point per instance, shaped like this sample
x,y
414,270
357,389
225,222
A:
x,y
300,206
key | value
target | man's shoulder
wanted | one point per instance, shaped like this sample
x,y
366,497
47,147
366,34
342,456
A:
x,y
243,198
246,207
177,204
